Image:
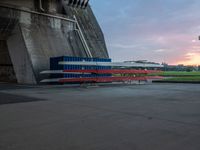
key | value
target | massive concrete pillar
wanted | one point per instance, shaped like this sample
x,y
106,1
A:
x,y
32,31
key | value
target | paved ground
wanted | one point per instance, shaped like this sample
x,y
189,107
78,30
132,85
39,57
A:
x,y
137,117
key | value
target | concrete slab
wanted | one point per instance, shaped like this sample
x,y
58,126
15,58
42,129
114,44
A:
x,y
137,117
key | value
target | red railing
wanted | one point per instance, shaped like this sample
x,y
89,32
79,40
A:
x,y
108,79
115,71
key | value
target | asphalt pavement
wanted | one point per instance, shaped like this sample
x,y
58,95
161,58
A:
x,y
134,117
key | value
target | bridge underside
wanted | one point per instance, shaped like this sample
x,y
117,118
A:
x,y
29,37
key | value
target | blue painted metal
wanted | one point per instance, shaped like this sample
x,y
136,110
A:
x,y
55,66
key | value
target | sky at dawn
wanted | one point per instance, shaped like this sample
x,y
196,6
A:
x,y
154,30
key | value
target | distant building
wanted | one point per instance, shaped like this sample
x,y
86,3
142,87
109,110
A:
x,y
147,63
142,62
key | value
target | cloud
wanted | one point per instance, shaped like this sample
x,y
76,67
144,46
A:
x,y
160,50
194,41
124,46
164,30
191,59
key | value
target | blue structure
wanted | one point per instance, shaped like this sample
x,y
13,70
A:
x,y
54,65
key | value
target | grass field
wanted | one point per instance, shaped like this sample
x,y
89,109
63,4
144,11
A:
x,y
188,79
176,76
178,73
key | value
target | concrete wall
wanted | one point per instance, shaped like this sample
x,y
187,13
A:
x,y
91,30
7,73
19,3
20,58
47,37
6,68
33,38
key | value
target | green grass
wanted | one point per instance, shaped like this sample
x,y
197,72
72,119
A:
x,y
184,79
181,76
178,76
178,73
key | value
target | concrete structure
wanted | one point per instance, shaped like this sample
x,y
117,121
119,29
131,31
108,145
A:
x,y
32,31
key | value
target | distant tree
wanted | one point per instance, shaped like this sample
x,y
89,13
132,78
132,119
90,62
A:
x,y
189,68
